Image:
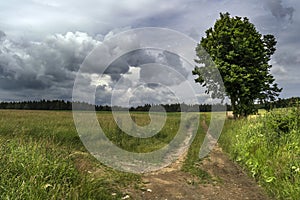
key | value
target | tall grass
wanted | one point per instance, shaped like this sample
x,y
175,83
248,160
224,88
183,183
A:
x,y
269,148
32,169
136,144
42,157
59,127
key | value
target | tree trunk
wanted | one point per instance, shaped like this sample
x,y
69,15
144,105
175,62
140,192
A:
x,y
233,104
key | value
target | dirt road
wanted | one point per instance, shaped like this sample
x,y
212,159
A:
x,y
228,182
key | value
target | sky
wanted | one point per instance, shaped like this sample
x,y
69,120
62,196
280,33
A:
x,y
43,44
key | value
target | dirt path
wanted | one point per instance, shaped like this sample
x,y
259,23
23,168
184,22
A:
x,y
228,182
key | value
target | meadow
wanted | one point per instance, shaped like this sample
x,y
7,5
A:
x,y
42,156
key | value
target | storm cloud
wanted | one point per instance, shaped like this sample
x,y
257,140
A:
x,y
44,43
279,11
145,58
47,65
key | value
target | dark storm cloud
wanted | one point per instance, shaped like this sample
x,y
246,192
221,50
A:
x,y
174,61
134,58
118,67
103,96
28,81
167,70
157,66
140,57
47,65
2,35
278,10
153,85
4,72
35,60
51,65
161,74
286,68
16,70
163,19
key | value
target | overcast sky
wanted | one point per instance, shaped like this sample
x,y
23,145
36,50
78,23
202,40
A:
x,y
44,42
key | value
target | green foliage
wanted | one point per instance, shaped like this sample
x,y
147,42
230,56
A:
x,y
241,54
269,148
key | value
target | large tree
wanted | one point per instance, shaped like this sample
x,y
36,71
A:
x,y
242,55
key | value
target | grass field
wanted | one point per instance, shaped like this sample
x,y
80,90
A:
x,y
42,156
268,147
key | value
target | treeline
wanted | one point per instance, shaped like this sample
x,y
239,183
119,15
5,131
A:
x,y
67,105
51,105
38,105
284,103
280,103
182,107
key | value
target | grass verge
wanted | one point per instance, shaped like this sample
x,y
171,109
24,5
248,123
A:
x,y
269,148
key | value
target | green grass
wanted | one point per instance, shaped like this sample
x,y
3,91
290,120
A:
x,y
42,156
135,144
57,126
269,148
39,169
192,162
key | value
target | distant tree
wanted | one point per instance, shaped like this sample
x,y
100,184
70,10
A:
x,y
242,55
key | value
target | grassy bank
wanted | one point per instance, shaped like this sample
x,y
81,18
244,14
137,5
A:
x,y
268,147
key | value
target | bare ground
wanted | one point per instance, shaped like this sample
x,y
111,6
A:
x,y
228,181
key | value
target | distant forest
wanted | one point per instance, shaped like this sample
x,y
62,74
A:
x,y
67,105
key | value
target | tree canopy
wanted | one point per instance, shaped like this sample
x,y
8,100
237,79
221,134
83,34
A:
x,y
242,55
